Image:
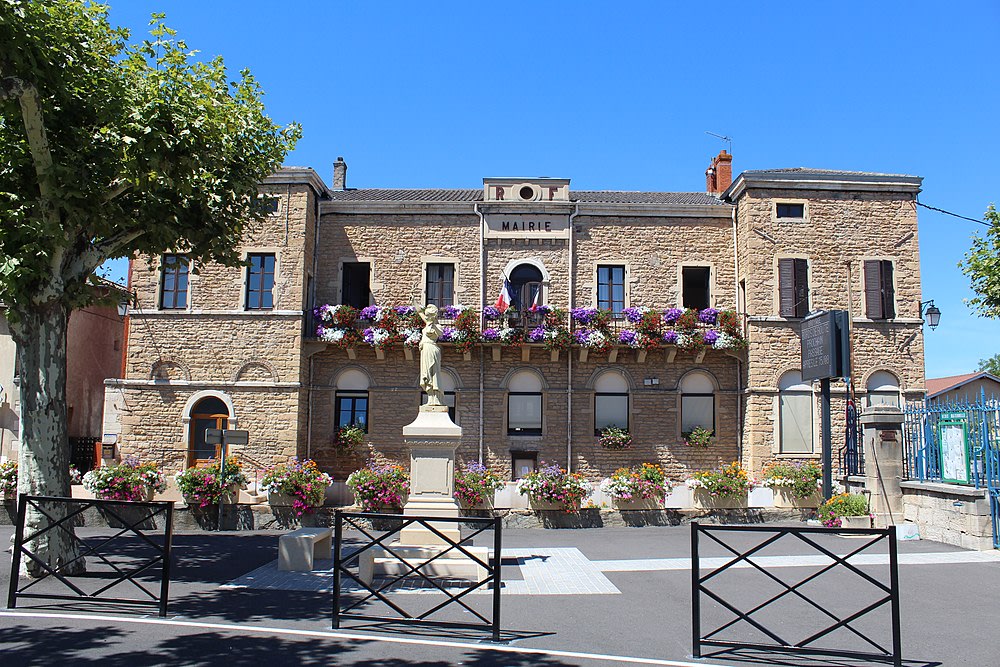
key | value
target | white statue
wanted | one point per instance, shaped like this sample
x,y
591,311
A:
x,y
430,355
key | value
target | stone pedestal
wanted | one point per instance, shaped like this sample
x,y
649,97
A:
x,y
883,445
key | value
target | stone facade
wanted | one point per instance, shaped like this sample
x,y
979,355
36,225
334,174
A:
x,y
280,383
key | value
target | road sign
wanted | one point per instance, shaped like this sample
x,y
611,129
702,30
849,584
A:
x,y
218,436
826,351
213,436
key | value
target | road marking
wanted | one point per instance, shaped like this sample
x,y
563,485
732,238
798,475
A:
x,y
258,629
934,558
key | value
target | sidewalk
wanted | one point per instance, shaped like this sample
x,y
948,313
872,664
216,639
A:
x,y
620,593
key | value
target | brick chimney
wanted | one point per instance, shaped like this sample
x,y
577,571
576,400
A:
x,y
340,174
719,176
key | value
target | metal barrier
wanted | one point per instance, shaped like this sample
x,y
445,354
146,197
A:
x,y
414,567
887,594
127,517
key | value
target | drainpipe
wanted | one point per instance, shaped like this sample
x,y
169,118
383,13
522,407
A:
x,y
569,353
746,328
311,299
482,304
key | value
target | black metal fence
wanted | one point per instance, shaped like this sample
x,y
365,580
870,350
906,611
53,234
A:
x,y
768,621
101,564
377,567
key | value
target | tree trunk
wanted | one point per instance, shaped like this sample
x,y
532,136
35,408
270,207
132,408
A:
x,y
43,464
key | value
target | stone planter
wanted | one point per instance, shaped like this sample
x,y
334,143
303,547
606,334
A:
x,y
538,505
706,501
856,521
229,497
487,505
785,499
283,500
638,504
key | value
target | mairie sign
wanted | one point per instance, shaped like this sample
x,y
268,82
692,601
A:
x,y
527,225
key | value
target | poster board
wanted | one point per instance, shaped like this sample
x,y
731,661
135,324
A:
x,y
953,443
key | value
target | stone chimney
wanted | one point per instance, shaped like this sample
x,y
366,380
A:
x,y
719,176
340,174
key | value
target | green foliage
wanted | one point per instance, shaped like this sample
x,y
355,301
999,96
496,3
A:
x,y
982,265
799,479
843,504
615,438
205,486
108,149
348,438
729,481
991,365
699,437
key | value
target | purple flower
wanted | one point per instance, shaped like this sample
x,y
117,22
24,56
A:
x,y
536,335
369,313
584,315
627,337
491,335
581,336
450,312
369,335
541,310
447,334
670,336
491,313
671,315
710,336
475,468
405,311
633,315
709,315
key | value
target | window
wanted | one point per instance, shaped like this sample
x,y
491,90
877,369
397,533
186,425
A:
x,y
611,288
446,382
356,289
523,463
260,282
351,400
610,401
697,402
526,287
883,389
793,287
524,404
880,295
209,412
795,414
791,210
173,282
269,204
695,289
441,284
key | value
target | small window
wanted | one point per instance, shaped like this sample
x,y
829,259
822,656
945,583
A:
x,y
793,287
791,210
352,409
880,294
524,404
440,284
174,282
523,463
697,402
260,282
269,204
696,287
610,402
356,289
611,288
795,414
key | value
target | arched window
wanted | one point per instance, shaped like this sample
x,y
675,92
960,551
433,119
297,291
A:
x,y
697,402
524,404
209,412
446,382
610,401
525,286
883,389
351,400
795,414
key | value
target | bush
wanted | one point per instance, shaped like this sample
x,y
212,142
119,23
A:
x,y
205,486
302,480
637,483
800,479
129,480
844,504
615,438
552,484
699,437
8,478
376,487
476,483
349,437
730,481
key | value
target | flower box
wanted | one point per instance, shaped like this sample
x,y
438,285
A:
x,y
638,504
785,499
539,505
856,521
284,500
706,501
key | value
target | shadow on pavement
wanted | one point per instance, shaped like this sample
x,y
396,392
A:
x,y
779,659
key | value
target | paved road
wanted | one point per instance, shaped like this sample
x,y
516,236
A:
x,y
608,596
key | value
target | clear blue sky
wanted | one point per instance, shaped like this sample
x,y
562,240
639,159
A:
x,y
620,95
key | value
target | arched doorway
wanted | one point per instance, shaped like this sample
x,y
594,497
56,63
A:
x,y
526,287
209,412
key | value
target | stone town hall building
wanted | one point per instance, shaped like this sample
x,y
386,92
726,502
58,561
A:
x,y
238,347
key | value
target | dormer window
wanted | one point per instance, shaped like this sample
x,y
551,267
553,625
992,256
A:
x,y
790,210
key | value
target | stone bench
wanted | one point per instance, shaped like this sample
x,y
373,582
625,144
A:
x,y
298,549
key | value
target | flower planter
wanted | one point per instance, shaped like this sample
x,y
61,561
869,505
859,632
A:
x,y
856,521
706,501
638,504
785,499
538,505
229,497
283,500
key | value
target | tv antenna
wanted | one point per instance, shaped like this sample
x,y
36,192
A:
x,y
729,140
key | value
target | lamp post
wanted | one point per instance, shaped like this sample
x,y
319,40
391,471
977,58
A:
x,y
933,313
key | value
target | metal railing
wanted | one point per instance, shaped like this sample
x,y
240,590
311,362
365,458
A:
x,y
768,626
980,420
133,563
415,565
852,454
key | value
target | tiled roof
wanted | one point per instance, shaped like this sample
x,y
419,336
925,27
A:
x,y
936,386
476,195
831,174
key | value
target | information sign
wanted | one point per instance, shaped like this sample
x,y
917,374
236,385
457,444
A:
x,y
953,442
826,349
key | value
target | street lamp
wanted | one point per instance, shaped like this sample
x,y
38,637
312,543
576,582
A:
x,y
933,313
127,300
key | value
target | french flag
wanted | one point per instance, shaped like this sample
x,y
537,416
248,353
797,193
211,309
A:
x,y
503,301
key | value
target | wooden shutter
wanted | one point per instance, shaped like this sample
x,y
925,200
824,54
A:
x,y
873,290
888,291
801,288
786,287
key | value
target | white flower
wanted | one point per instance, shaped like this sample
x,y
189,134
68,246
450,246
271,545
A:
x,y
332,335
725,341
596,339
694,483
683,340
412,337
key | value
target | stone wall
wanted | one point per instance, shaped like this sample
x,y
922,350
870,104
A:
x,y
949,513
